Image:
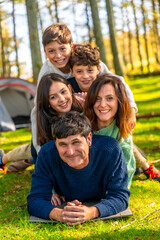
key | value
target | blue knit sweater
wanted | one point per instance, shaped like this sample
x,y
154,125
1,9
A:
x,y
104,179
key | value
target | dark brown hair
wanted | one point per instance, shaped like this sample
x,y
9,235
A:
x,y
84,54
71,123
46,115
57,32
124,108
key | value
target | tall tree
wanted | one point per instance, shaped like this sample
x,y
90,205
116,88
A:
x,y
97,30
39,15
56,10
145,33
112,31
137,34
49,6
87,21
34,39
73,7
123,36
2,47
129,39
15,38
155,30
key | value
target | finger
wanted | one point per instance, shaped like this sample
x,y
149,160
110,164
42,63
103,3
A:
x,y
73,220
58,200
55,202
78,203
70,204
71,213
63,198
52,202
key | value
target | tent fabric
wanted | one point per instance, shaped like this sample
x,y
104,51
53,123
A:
x,y
18,98
6,123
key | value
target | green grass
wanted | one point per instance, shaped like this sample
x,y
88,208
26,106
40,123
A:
x,y
145,194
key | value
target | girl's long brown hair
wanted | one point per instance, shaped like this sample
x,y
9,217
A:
x,y
124,108
46,115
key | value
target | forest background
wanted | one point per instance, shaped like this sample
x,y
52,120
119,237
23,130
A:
x,y
126,32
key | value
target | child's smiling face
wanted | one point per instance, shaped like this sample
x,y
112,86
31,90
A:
x,y
85,75
58,53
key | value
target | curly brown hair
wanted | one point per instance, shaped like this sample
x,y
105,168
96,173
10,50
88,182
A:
x,y
84,54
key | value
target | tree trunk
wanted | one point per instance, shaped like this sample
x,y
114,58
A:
x,y
123,37
2,48
73,6
117,65
56,10
87,22
129,41
97,30
145,33
14,37
39,15
34,40
148,115
137,34
48,5
155,31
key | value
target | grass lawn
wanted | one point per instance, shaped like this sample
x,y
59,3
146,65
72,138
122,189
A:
x,y
145,194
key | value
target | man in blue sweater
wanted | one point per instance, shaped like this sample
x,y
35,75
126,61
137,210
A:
x,y
80,169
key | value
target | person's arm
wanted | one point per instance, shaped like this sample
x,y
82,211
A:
x,y
127,148
117,195
34,129
33,113
39,200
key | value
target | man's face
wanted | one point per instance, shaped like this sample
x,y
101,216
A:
x,y
58,54
74,150
85,75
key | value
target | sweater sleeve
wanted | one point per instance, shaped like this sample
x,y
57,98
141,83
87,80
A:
x,y
117,195
39,199
104,70
127,148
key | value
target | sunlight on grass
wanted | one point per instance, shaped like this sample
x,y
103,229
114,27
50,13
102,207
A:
x,y
146,93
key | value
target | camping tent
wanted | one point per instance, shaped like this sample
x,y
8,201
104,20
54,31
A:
x,y
6,122
17,96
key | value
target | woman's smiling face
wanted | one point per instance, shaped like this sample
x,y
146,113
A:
x,y
106,105
60,97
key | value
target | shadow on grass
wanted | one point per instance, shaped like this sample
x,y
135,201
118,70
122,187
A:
x,y
136,83
147,132
148,101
